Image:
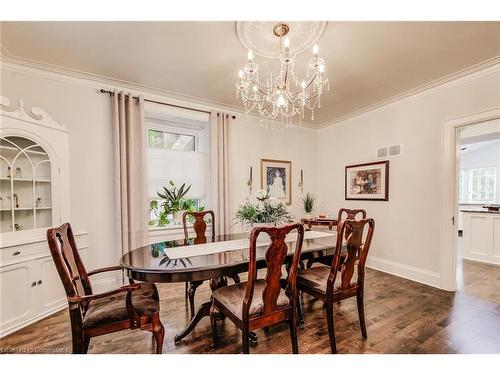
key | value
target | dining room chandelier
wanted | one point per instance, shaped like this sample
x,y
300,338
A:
x,y
282,95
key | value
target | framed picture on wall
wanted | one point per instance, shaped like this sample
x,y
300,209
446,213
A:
x,y
276,178
367,182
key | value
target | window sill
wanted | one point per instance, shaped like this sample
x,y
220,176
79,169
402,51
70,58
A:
x,y
171,232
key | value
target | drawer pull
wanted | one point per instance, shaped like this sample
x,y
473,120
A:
x,y
39,282
16,253
33,284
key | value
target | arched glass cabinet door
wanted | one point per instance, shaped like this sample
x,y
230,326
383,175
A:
x,y
25,185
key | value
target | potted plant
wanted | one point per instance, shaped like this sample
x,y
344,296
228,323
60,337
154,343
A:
x,y
174,204
265,211
308,201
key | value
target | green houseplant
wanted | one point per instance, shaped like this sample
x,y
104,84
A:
x,y
174,204
308,201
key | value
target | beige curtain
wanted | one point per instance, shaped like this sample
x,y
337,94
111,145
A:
x,y
129,147
219,170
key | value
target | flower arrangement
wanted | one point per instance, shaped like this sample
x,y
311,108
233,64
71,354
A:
x,y
265,209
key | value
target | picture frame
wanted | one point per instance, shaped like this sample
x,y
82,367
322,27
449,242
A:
x,y
367,181
276,178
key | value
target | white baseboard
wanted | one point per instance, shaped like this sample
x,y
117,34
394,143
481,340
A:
x,y
420,275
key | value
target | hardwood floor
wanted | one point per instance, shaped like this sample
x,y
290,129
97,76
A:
x,y
402,316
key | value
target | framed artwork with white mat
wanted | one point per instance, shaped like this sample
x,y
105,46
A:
x,y
276,179
367,182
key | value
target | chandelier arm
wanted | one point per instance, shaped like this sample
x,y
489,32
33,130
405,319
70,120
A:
x,y
307,86
256,84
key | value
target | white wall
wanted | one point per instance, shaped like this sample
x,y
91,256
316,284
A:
x,y
407,233
86,113
250,143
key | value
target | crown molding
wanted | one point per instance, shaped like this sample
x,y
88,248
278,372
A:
x,y
14,63
483,68
19,64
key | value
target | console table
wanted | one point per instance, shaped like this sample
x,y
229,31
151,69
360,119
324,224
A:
x,y
330,223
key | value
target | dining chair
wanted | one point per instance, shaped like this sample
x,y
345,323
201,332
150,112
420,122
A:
x,y
261,303
200,228
93,314
343,214
344,279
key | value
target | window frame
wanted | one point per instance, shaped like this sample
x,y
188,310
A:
x,y
153,121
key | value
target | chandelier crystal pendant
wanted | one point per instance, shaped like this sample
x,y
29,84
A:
x,y
283,96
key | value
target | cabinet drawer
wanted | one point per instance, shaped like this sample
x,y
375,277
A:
x,y
20,253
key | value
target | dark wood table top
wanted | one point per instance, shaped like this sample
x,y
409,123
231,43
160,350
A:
x,y
151,263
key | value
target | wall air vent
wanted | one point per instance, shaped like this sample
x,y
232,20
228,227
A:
x,y
382,152
394,150
386,151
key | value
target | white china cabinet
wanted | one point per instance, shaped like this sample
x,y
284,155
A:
x,y
33,197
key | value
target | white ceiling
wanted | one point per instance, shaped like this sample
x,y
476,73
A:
x,y
367,61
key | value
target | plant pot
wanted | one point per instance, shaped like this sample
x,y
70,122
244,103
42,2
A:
x,y
308,216
178,217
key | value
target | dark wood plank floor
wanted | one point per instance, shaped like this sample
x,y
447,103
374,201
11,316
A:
x,y
402,317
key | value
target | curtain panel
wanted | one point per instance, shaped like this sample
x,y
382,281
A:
x,y
219,170
129,154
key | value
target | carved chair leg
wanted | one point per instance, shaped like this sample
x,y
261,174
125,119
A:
x,y
186,290
331,328
300,314
293,332
361,313
245,341
213,323
86,342
78,343
158,333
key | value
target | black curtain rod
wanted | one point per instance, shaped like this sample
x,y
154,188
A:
x,y
111,93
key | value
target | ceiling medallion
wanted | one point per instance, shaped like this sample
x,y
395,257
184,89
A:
x,y
282,95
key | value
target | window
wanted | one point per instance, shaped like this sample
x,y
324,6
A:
x,y
461,185
177,151
482,185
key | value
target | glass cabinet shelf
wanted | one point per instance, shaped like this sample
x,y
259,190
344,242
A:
x,y
25,185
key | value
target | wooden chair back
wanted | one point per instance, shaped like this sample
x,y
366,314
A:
x,y
199,226
275,258
68,263
348,214
357,246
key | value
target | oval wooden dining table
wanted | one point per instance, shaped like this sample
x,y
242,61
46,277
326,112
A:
x,y
163,262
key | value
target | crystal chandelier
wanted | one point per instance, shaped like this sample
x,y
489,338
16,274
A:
x,y
282,95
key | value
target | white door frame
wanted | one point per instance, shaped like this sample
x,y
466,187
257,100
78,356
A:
x,y
449,192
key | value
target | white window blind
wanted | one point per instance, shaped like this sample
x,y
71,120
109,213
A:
x,y
180,167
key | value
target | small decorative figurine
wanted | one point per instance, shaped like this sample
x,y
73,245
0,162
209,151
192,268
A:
x,y
38,202
19,173
18,227
8,172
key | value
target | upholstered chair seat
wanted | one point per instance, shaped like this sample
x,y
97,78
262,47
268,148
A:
x,y
316,278
232,297
113,309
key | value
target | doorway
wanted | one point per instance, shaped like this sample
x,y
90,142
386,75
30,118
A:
x,y
449,208
478,201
